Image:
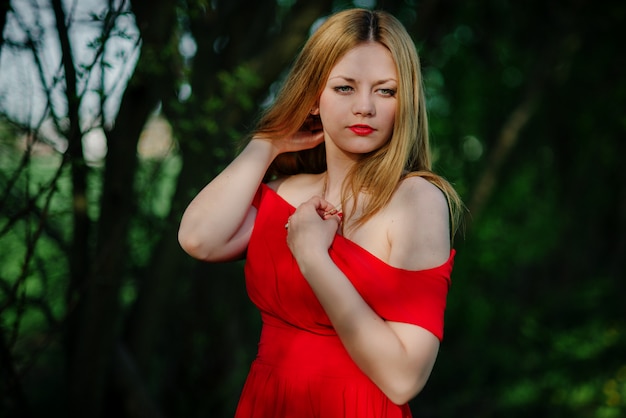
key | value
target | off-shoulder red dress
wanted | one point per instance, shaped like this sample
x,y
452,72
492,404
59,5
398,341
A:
x,y
302,370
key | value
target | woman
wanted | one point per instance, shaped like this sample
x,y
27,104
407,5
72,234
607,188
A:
x,y
345,229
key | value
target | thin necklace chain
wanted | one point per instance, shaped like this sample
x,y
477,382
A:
x,y
324,187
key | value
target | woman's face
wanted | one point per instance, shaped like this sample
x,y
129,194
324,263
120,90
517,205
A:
x,y
358,104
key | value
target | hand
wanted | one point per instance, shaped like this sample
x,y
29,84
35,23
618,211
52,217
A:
x,y
311,229
309,135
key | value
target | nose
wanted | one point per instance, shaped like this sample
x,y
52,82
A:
x,y
364,104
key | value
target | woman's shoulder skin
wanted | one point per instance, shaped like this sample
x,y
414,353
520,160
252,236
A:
x,y
298,188
412,232
418,225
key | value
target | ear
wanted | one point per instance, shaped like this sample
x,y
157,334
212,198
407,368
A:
x,y
315,110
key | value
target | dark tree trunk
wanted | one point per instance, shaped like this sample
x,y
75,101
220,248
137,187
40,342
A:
x,y
97,331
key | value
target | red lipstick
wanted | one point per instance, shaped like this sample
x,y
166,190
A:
x,y
362,130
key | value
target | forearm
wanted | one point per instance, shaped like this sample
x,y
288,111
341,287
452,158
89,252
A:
x,y
215,215
374,344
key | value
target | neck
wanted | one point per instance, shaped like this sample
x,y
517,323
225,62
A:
x,y
332,194
325,189
338,166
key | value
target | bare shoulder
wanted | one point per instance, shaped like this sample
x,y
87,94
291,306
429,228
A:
x,y
418,190
419,230
297,188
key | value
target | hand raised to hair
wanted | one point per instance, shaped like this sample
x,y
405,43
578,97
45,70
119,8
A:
x,y
308,136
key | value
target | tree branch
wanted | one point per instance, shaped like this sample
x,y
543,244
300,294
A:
x,y
507,139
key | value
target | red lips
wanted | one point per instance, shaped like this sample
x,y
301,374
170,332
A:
x,y
361,130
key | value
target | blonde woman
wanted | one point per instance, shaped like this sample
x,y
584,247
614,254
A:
x,y
345,229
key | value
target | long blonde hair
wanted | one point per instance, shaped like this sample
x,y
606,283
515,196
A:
x,y
407,153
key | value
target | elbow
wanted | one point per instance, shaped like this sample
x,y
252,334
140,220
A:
x,y
401,397
401,393
204,249
192,245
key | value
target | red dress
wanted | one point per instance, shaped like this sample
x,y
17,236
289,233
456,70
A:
x,y
302,369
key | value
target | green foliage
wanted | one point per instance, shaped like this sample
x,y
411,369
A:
x,y
236,85
155,184
535,322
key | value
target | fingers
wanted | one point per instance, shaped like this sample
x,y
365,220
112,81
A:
x,y
324,209
305,140
313,124
314,224
320,205
316,210
330,213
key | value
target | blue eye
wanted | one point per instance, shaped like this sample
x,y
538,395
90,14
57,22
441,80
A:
x,y
343,89
388,92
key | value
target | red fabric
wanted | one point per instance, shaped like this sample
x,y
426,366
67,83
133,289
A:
x,y
302,370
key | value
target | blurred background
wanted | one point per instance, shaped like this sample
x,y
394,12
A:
x,y
113,114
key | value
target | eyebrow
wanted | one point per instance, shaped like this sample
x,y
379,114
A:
x,y
352,80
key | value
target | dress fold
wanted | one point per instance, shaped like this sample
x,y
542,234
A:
x,y
302,369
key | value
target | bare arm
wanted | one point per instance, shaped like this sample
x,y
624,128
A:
x,y
398,357
217,223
